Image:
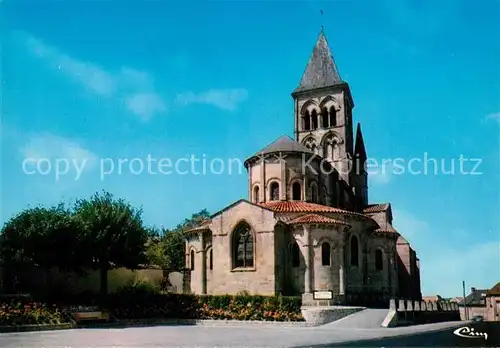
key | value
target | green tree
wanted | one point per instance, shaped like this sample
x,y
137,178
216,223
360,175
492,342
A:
x,y
40,237
112,234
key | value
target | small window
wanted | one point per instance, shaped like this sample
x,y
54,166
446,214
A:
x,y
295,255
296,191
191,259
325,254
379,262
256,192
211,260
307,121
274,192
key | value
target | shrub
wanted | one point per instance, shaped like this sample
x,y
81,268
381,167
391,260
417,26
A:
x,y
127,305
14,313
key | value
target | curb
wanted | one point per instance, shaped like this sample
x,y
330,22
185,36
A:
x,y
44,327
194,322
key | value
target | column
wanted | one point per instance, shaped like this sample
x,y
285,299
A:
x,y
341,271
263,186
307,259
284,181
304,187
203,265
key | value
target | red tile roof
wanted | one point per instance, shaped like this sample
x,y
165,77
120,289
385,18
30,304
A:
x,y
303,207
494,291
202,227
315,219
376,208
386,228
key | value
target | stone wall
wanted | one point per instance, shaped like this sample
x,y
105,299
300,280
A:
x,y
404,312
29,279
321,315
470,312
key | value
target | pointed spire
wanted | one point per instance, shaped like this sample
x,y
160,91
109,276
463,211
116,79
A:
x,y
359,147
321,70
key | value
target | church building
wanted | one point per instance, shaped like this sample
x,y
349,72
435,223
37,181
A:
x,y
307,227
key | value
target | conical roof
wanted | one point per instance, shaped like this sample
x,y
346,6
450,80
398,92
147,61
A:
x,y
321,70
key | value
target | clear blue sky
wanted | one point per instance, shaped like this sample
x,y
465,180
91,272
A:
x,y
91,80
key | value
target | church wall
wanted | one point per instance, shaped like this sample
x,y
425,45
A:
x,y
326,277
260,279
383,280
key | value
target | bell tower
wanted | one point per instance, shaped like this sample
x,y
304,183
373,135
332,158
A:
x,y
323,110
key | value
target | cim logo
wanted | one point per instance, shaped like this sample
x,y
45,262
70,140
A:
x,y
468,332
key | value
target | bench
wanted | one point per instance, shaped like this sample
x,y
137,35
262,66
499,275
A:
x,y
91,316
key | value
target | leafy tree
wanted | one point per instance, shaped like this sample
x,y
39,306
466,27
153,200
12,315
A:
x,y
112,234
40,237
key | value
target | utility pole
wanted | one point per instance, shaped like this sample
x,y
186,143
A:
x,y
466,315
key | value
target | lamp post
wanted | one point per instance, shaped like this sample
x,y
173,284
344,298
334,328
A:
x,y
466,315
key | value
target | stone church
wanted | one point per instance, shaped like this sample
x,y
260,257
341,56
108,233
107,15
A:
x,y
307,227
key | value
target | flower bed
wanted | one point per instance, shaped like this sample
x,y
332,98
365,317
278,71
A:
x,y
16,313
175,306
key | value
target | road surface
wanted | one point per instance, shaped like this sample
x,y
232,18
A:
x,y
234,336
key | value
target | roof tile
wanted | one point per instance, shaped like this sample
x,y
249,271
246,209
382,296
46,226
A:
x,y
315,219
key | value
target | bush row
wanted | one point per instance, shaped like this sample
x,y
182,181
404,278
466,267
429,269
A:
x,y
133,304
15,312
141,302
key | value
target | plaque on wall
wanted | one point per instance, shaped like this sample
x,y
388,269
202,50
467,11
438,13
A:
x,y
323,295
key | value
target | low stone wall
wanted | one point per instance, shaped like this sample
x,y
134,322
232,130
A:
x,y
408,312
320,315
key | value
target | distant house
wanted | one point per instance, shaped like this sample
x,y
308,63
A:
x,y
457,299
493,303
475,304
434,298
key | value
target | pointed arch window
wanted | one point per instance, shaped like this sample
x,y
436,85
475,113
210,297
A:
x,y
191,260
325,254
324,118
314,119
295,251
306,119
243,256
354,251
379,260
332,114
296,191
256,193
274,191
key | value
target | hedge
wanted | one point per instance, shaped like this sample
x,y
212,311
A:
x,y
132,305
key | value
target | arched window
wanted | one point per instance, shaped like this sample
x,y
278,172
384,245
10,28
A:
x,y
211,260
191,260
354,251
295,251
379,261
307,120
242,246
324,118
333,116
296,191
314,119
336,150
256,192
325,254
274,191
314,193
